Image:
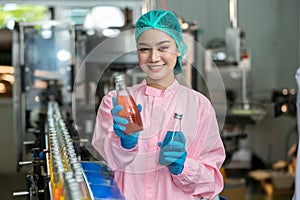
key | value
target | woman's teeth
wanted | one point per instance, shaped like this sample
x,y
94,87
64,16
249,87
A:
x,y
156,67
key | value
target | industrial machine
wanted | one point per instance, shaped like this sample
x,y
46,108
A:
x,y
44,70
230,59
47,140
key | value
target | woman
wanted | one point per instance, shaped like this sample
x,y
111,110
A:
x,y
141,166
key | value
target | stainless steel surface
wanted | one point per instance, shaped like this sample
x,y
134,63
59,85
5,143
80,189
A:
x,y
245,99
149,5
236,78
8,139
24,193
25,163
28,142
233,13
233,45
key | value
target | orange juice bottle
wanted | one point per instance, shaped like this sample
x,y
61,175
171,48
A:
x,y
130,110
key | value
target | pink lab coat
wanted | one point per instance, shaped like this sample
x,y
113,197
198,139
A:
x,y
137,171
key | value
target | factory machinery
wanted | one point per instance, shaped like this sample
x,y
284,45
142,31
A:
x,y
47,138
66,177
57,172
230,59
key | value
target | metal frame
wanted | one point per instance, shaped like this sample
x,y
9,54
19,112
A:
x,y
19,89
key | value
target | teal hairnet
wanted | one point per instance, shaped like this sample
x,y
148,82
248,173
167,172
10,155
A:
x,y
167,22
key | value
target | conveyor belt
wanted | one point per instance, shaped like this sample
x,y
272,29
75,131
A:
x,y
64,169
70,178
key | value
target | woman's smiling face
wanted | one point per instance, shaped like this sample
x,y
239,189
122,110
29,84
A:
x,y
157,53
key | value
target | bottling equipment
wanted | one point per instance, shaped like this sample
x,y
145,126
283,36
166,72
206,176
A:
x,y
44,70
57,171
231,59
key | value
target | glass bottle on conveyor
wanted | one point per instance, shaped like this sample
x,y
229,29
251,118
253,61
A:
x,y
130,110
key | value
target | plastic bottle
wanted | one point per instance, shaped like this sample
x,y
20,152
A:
x,y
130,110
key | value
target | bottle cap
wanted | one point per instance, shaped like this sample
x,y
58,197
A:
x,y
178,116
119,77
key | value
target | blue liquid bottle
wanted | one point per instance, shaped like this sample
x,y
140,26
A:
x,y
172,134
176,127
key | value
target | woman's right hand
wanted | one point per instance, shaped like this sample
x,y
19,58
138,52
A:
x,y
128,141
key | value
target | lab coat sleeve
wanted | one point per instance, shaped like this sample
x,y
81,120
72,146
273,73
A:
x,y
201,175
106,142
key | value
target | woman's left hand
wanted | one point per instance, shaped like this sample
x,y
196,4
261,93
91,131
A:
x,y
173,154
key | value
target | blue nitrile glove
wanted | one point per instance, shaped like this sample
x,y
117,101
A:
x,y
128,141
173,153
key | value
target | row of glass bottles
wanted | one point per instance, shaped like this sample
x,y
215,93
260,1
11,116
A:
x,y
66,174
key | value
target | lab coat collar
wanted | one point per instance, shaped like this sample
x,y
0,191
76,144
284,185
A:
x,y
151,91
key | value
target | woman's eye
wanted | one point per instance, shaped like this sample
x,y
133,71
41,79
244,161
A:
x,y
163,48
143,49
